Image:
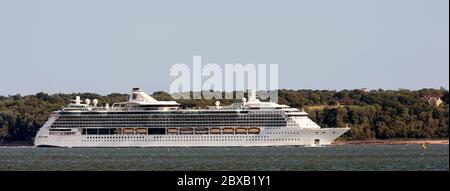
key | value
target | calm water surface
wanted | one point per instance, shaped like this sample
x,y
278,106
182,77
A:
x,y
335,158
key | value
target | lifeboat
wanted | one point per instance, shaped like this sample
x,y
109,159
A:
x,y
228,131
215,131
141,131
241,131
172,131
201,130
118,131
128,131
186,131
254,130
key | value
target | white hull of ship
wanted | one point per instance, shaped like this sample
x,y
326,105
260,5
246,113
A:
x,y
269,136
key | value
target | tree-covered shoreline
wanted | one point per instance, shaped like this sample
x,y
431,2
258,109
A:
x,y
377,114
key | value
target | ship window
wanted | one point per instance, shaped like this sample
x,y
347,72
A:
x,y
92,131
156,131
103,132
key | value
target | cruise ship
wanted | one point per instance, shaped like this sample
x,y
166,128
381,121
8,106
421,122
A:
x,y
143,121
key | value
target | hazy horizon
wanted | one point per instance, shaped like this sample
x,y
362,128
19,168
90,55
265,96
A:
x,y
110,46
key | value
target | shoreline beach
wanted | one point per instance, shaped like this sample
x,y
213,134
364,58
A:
x,y
394,142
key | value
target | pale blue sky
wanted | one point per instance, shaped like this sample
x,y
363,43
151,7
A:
x,y
111,46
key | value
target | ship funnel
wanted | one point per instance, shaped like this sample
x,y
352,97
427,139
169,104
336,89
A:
x,y
137,95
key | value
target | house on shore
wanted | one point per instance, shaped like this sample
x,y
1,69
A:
x,y
433,100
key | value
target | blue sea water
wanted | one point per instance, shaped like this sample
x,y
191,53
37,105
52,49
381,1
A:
x,y
334,158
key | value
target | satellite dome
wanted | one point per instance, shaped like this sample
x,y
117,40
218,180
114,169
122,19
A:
x,y
95,102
